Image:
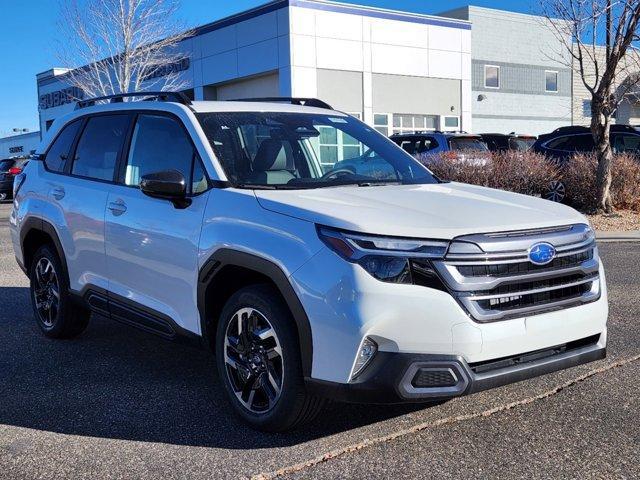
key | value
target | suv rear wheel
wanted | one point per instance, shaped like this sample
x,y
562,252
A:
x,y
258,360
56,314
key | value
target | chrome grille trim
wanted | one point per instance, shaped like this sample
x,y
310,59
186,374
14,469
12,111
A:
x,y
573,282
522,293
469,283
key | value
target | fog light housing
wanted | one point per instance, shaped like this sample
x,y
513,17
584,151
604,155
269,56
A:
x,y
366,352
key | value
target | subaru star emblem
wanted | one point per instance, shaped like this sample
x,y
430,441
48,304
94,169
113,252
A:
x,y
541,253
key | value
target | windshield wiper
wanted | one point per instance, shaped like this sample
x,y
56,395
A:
x,y
379,183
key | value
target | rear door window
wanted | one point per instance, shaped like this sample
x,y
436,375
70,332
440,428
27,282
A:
x,y
467,143
582,143
99,146
573,143
56,158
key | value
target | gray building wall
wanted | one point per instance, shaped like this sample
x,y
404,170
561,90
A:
x,y
524,47
341,89
403,94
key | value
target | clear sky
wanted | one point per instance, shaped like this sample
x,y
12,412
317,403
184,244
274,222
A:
x,y
30,29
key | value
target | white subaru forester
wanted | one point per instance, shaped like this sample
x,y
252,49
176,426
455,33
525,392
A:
x,y
317,258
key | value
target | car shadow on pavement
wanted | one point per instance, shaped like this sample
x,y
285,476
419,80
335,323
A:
x,y
116,382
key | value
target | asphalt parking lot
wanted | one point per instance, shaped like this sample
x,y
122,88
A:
x,y
117,403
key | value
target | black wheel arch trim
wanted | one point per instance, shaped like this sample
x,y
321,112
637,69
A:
x,y
31,224
229,257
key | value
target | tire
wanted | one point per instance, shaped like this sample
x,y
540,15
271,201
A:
x,y
258,359
557,192
56,314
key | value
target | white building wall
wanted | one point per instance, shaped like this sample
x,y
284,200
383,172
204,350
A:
x,y
19,145
360,43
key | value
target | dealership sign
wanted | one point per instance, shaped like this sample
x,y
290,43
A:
x,y
168,69
60,97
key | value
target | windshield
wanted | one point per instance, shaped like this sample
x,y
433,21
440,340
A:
x,y
298,150
467,143
521,144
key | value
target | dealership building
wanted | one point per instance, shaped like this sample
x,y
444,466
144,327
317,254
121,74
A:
x,y
21,145
398,71
471,69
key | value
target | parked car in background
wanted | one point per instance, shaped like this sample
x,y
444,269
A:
x,y
9,168
500,142
565,142
465,146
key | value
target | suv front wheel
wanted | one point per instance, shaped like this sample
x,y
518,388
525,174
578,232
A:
x,y
258,360
56,314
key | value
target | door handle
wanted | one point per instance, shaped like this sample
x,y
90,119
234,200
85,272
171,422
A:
x,y
117,208
58,193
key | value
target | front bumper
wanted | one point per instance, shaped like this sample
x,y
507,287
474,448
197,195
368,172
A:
x,y
391,377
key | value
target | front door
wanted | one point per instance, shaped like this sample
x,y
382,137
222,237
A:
x,y
152,245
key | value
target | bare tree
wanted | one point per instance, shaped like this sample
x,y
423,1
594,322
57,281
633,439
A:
x,y
121,46
609,72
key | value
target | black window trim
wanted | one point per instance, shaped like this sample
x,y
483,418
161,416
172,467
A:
x,y
121,165
118,177
43,156
546,144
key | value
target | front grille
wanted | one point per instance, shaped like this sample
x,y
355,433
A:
x,y
540,299
506,269
499,282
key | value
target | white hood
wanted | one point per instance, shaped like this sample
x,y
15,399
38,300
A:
x,y
438,211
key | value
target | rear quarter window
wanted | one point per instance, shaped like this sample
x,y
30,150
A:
x,y
56,157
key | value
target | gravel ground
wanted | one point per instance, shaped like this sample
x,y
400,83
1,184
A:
x,y
620,221
117,403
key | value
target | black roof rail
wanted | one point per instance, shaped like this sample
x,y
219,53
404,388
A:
x,y
177,97
303,102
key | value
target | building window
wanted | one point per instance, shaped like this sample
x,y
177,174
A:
x,y
407,123
381,123
451,122
551,81
335,146
491,76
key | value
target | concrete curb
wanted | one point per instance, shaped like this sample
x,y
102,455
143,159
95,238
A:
x,y
630,236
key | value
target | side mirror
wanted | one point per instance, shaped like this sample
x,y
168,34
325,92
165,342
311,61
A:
x,y
167,185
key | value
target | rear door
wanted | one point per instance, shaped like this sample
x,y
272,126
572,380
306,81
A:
x,y
78,189
152,246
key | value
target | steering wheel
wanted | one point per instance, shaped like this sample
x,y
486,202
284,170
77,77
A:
x,y
338,172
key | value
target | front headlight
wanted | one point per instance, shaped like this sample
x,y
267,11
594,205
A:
x,y
389,259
